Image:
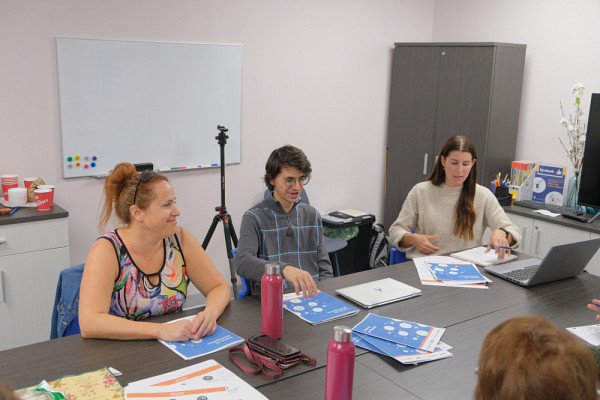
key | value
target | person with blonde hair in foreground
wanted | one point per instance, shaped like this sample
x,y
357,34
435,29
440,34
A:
x,y
529,358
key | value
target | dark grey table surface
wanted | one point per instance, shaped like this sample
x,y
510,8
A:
x,y
467,315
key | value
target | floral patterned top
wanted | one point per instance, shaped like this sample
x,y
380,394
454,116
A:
x,y
134,296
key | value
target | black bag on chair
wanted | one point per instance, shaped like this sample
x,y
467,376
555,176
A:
x,y
379,247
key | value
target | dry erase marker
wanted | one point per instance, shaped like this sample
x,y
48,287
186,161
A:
x,y
501,247
13,211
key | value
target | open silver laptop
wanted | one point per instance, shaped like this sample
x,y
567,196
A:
x,y
562,261
377,293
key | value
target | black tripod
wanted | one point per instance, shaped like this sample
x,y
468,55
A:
x,y
223,215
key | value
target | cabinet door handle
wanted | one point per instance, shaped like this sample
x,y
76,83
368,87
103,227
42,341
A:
x,y
3,292
425,159
537,241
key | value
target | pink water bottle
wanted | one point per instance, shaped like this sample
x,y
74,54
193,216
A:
x,y
340,365
271,302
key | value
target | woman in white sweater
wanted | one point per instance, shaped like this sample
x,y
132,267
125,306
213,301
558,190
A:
x,y
450,211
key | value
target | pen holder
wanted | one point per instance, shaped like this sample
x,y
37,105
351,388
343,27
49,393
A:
x,y
503,196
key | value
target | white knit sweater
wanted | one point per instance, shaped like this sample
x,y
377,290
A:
x,y
430,210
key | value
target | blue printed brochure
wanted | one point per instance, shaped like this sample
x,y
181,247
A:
x,y
549,184
403,354
219,340
406,333
321,308
461,272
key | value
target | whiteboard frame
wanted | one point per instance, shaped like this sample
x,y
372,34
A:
x,y
147,102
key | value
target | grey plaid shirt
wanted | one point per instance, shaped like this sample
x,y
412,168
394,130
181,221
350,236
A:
x,y
270,235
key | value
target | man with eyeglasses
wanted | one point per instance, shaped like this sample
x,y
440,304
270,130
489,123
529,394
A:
x,y
283,230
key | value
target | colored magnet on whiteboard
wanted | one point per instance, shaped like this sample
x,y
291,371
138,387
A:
x,y
86,166
69,159
94,158
77,158
93,164
78,165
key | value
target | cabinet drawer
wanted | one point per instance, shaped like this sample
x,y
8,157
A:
x,y
33,236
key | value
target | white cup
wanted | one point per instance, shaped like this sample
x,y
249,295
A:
x,y
17,196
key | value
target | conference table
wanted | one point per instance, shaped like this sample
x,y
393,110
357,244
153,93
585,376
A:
x,y
467,314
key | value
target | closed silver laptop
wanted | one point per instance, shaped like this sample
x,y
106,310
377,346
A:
x,y
562,261
377,293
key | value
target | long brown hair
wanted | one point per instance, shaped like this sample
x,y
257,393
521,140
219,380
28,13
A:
x,y
119,190
529,358
464,213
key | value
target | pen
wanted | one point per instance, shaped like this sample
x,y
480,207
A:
x,y
501,247
13,211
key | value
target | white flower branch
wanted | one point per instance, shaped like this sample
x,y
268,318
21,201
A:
x,y
576,130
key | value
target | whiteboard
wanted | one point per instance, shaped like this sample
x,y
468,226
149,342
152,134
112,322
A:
x,y
147,102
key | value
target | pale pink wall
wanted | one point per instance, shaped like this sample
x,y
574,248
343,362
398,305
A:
x,y
562,49
316,74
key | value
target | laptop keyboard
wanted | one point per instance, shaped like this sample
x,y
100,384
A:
x,y
522,274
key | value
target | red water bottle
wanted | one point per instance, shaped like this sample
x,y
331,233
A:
x,y
271,302
339,374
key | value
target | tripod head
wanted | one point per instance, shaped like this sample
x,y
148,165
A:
x,y
222,137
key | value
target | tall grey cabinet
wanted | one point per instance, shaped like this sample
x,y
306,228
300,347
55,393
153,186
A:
x,y
443,89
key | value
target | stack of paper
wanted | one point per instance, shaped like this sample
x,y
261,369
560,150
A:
x,y
220,339
589,333
447,272
456,272
207,380
405,341
321,308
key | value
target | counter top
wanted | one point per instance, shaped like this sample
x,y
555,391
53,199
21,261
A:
x,y
560,220
31,214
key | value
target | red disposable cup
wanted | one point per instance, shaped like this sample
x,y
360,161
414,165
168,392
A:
x,y
28,181
50,187
8,181
6,186
43,198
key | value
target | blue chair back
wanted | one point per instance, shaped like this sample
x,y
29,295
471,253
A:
x,y
246,289
397,256
65,319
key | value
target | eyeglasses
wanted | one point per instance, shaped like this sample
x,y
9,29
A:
x,y
144,177
290,182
